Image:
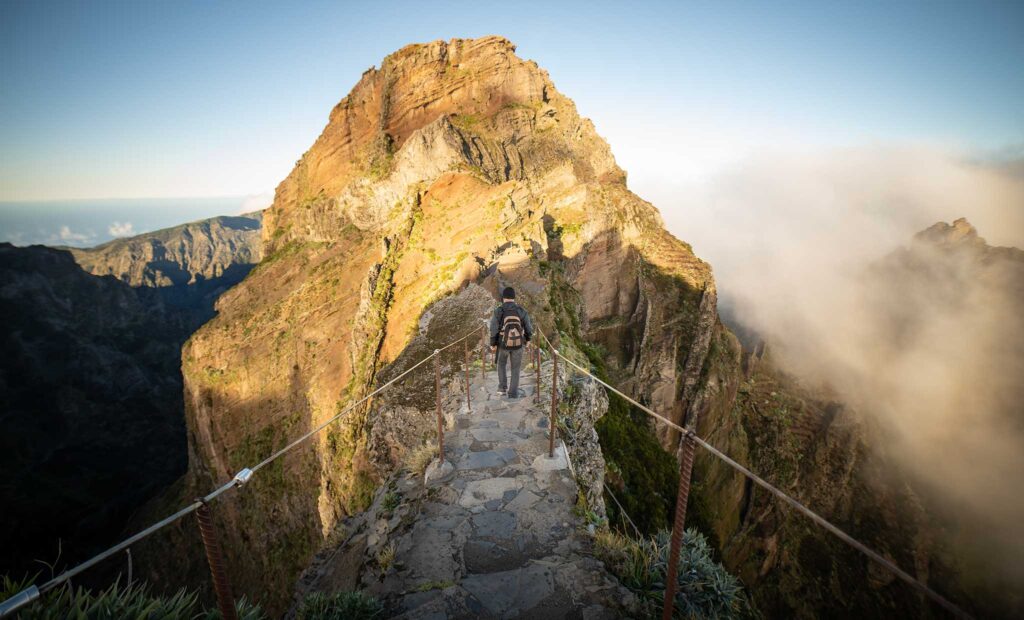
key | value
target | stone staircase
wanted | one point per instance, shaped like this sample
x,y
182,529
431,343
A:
x,y
494,537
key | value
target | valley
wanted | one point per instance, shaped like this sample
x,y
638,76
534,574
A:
x,y
169,362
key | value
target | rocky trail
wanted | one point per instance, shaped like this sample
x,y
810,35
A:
x,y
494,536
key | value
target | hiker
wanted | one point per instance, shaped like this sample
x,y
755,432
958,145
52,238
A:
x,y
510,331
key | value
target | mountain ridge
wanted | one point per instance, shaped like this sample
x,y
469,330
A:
x,y
455,163
91,404
91,372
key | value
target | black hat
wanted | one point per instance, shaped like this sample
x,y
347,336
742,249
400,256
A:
x,y
508,293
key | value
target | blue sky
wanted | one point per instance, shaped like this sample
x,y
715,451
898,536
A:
x,y
150,99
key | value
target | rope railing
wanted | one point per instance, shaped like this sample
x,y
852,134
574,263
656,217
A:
x,y
243,476
689,435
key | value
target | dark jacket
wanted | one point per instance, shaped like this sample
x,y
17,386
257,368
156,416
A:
x,y
499,315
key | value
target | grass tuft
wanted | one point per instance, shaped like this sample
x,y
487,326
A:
x,y
386,557
418,458
119,601
391,501
340,606
434,585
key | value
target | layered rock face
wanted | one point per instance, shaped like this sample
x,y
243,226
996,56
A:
x,y
191,264
453,163
905,480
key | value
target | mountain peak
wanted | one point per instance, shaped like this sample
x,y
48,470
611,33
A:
x,y
454,167
481,45
468,104
959,232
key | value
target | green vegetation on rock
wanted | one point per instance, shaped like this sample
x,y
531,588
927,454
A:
x,y
120,601
340,606
705,588
645,476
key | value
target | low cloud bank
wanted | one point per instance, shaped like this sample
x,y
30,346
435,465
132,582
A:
x,y
256,202
67,236
121,229
929,341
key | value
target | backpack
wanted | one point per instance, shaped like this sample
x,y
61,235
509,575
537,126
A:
x,y
511,331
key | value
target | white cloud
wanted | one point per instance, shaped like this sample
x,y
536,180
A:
x,y
121,229
256,202
69,236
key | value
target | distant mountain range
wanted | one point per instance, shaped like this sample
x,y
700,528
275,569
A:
x,y
190,265
90,222
90,378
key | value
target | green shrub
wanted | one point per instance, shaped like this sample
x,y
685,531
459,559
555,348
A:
x,y
648,474
119,601
704,588
339,606
391,501
245,609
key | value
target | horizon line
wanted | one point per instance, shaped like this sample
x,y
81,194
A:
x,y
130,198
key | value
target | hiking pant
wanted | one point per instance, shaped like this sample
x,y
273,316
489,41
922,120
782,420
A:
x,y
517,361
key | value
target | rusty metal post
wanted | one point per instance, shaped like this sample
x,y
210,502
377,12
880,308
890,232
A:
x,y
465,355
536,366
554,399
440,418
483,353
685,469
215,557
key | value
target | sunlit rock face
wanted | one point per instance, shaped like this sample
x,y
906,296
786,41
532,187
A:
x,y
190,265
453,163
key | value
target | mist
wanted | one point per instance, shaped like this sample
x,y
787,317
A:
x,y
814,252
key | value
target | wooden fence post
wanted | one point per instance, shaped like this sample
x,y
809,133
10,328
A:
x,y
465,354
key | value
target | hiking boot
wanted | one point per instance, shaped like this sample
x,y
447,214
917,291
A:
x,y
518,394
502,392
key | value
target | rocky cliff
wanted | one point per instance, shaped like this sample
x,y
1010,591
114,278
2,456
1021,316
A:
x,y
888,479
453,163
90,403
191,264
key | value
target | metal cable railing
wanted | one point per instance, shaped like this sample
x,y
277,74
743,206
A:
x,y
622,511
689,435
626,519
33,592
